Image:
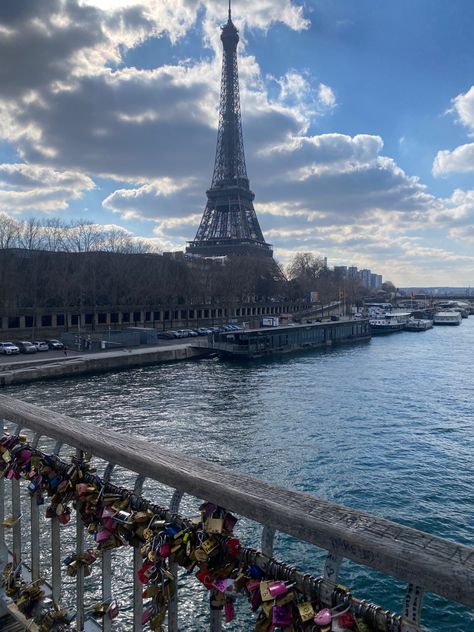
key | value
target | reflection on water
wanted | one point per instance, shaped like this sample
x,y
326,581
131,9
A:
x,y
386,427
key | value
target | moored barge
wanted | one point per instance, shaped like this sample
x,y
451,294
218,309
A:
x,y
268,341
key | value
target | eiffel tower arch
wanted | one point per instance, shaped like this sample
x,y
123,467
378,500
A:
x,y
229,225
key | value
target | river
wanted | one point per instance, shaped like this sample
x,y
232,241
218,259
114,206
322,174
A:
x,y
384,426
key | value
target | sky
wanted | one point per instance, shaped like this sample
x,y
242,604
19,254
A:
x,y
358,123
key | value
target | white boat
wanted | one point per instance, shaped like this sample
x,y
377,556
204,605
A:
x,y
418,324
447,318
455,306
389,323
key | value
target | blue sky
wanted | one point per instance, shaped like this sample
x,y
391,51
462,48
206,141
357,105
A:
x,y
358,121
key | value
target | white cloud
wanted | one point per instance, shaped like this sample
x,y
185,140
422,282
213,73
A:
x,y
327,96
32,188
464,106
460,159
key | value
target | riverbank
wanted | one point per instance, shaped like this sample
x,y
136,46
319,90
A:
x,y
81,364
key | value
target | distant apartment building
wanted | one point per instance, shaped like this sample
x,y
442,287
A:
x,y
375,281
366,277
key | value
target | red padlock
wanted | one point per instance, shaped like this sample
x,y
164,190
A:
x,y
233,547
204,578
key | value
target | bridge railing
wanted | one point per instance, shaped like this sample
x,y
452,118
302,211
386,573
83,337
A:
x,y
423,561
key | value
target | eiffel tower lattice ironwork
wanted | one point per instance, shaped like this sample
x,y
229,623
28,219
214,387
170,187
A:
x,y
229,225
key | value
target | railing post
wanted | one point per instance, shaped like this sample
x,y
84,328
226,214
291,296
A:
x,y
137,562
56,559
35,528
413,604
80,567
16,514
332,566
56,549
3,544
107,564
173,602
35,538
216,621
268,537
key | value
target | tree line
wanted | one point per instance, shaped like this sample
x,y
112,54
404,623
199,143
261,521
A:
x,y
50,264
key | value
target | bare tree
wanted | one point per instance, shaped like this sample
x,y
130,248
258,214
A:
x,y
84,236
9,230
30,234
305,269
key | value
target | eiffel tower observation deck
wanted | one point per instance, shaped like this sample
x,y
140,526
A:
x,y
229,225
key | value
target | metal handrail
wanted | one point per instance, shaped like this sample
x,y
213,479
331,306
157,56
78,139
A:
x,y
438,565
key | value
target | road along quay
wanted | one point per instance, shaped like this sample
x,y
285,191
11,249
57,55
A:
x,y
18,372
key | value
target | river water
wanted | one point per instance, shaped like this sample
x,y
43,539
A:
x,y
385,426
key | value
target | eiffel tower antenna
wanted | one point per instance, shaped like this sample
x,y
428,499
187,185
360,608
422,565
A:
x,y
229,225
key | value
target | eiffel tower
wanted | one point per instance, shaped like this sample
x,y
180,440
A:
x,y
229,225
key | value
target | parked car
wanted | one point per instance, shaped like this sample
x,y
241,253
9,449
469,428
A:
x,y
171,333
40,345
192,333
54,344
203,331
25,346
334,317
8,348
182,333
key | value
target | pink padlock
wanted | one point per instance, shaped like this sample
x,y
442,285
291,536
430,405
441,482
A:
x,y
323,617
147,615
81,489
229,610
165,550
223,584
25,456
281,616
107,519
277,589
102,535
113,609
107,513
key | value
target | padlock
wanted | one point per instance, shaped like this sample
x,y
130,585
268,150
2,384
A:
x,y
229,610
306,611
147,614
263,623
223,584
282,616
229,522
277,588
113,609
323,617
285,599
65,517
255,600
205,578
214,525
265,593
233,547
